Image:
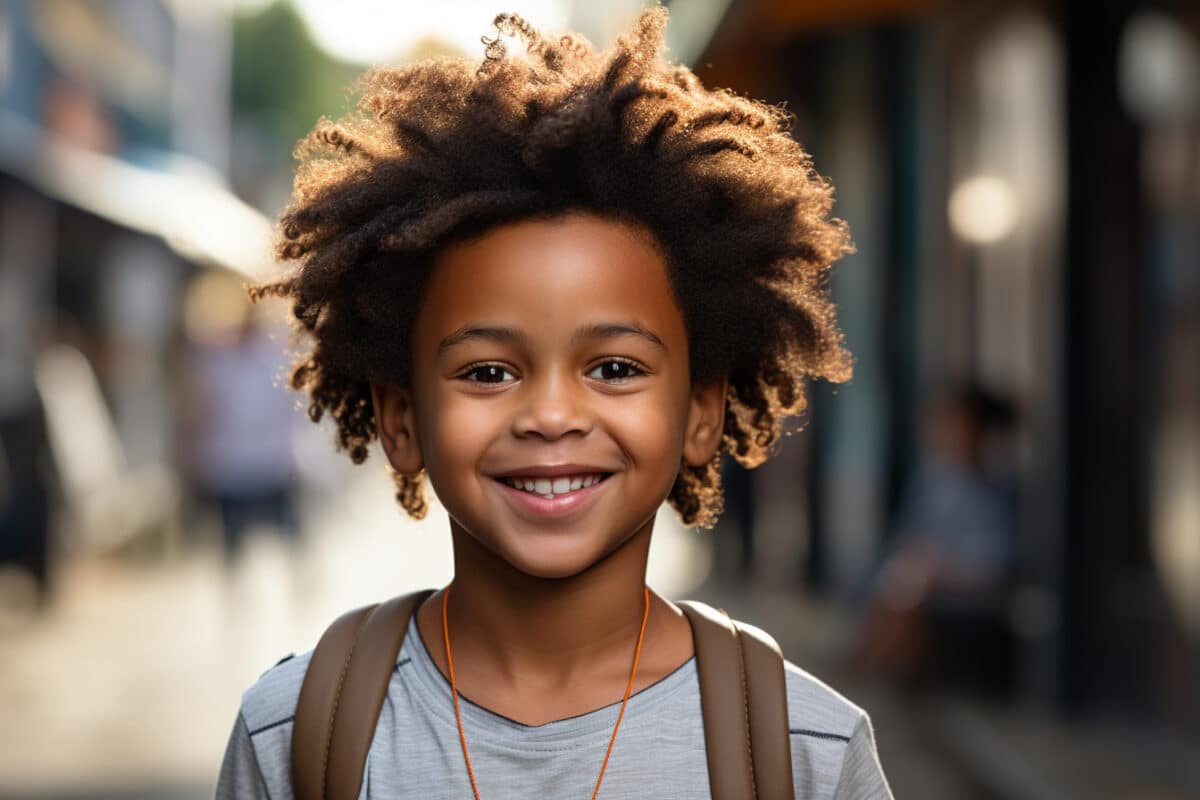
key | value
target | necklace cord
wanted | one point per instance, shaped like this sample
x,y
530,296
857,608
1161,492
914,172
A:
x,y
636,657
454,690
458,715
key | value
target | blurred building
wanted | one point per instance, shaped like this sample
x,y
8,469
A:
x,y
116,147
1022,180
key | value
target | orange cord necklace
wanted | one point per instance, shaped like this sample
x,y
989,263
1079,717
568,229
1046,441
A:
x,y
458,716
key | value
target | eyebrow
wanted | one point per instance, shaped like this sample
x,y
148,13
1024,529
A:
x,y
501,333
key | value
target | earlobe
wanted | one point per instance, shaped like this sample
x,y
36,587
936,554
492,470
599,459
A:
x,y
706,422
396,425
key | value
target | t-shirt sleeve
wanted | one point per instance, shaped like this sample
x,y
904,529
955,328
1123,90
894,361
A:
x,y
240,775
862,776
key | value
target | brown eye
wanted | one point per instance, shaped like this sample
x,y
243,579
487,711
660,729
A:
x,y
485,373
616,371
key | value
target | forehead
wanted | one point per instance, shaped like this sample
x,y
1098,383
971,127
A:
x,y
549,277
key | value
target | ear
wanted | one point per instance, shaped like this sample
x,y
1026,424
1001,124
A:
x,y
705,422
396,424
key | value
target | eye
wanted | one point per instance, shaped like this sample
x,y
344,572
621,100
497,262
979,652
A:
x,y
485,373
617,370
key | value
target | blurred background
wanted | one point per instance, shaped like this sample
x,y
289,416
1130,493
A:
x,y
989,538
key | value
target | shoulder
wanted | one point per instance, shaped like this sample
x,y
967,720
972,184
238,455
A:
x,y
817,709
271,700
831,738
257,759
832,741
814,707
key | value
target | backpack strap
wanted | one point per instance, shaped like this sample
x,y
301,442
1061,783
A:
x,y
743,698
341,697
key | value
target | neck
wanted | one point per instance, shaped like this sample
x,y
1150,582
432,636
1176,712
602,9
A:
x,y
545,631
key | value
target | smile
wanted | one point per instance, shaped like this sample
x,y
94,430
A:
x,y
550,488
558,496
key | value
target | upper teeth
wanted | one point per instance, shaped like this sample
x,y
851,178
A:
x,y
549,487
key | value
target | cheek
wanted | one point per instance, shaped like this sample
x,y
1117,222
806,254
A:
x,y
650,430
453,436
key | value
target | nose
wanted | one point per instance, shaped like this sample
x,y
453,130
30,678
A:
x,y
552,406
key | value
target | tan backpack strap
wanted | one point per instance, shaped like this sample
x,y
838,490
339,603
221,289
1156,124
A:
x,y
722,703
313,725
342,695
743,699
766,687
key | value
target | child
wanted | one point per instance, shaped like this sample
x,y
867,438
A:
x,y
559,286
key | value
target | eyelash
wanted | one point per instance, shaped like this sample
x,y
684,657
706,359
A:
x,y
637,369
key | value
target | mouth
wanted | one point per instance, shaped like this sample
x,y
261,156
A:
x,y
552,497
550,488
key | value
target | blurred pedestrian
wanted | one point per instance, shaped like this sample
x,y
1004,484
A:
x,y
935,606
241,453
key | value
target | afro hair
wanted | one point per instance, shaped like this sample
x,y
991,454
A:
x,y
445,148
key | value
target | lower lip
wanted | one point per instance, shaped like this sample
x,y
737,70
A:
x,y
556,506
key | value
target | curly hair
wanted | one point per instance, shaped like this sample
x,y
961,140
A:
x,y
443,149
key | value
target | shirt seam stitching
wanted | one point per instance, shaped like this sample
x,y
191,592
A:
x,y
818,734
268,727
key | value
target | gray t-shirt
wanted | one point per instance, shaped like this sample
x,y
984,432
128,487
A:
x,y
658,753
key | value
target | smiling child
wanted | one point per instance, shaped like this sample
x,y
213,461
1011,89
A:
x,y
557,287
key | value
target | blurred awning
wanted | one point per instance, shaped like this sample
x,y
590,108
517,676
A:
x,y
793,16
185,206
739,52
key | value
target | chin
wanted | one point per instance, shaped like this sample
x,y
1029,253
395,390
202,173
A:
x,y
550,554
551,566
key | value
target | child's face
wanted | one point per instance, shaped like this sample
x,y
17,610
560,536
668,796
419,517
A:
x,y
526,356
